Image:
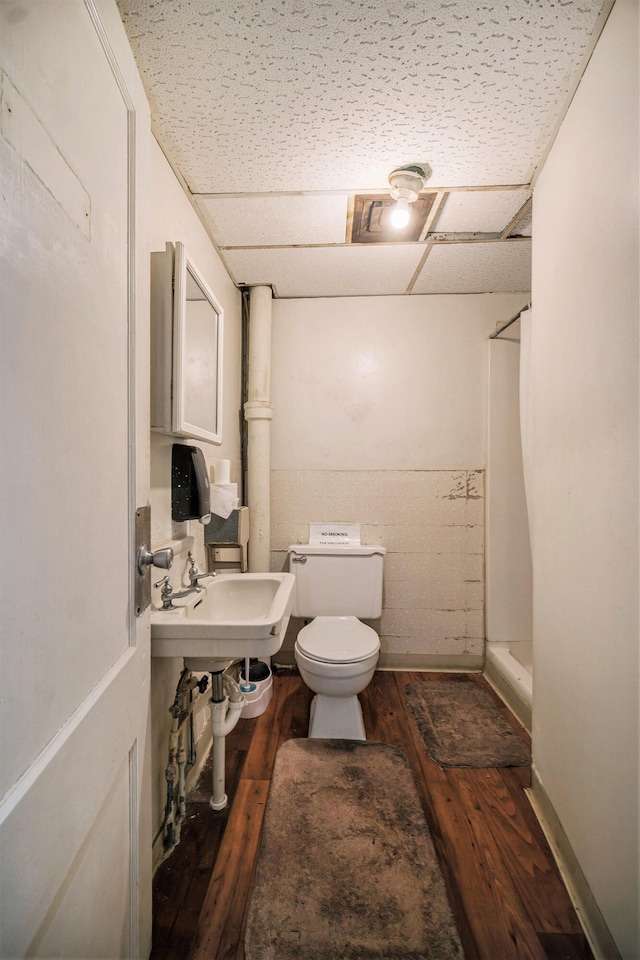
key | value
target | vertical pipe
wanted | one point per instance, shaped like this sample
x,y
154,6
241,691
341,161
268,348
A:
x,y
217,687
181,761
258,414
225,714
219,799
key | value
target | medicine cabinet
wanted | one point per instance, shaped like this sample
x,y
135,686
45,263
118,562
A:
x,y
186,349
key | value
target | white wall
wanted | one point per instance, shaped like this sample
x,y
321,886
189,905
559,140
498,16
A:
x,y
373,383
172,218
379,419
584,491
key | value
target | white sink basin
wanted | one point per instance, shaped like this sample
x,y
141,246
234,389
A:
x,y
235,615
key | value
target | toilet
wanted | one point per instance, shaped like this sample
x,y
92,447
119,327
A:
x,y
336,584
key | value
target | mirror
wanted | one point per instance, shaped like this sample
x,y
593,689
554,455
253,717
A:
x,y
197,354
186,375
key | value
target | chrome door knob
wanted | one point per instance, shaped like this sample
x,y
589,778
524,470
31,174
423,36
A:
x,y
159,558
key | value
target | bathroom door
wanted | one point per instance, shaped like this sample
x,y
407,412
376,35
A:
x,y
74,834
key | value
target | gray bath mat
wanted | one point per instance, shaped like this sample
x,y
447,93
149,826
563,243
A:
x,y
461,726
346,867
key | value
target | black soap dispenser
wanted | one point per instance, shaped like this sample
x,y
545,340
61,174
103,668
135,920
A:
x,y
190,488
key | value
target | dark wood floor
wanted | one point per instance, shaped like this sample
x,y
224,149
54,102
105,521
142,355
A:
x,y
505,890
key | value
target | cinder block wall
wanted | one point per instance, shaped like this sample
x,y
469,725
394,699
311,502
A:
x,y
432,524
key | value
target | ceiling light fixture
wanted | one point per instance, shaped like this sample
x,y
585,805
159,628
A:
x,y
406,183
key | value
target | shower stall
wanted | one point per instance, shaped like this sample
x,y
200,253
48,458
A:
x,y
509,650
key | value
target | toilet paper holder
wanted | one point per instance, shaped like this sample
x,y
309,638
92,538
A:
x,y
234,532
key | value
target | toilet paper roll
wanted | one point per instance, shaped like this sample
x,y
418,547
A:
x,y
222,471
224,499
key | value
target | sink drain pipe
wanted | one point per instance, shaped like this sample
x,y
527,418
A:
x,y
226,705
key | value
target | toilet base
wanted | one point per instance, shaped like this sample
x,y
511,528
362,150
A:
x,y
336,718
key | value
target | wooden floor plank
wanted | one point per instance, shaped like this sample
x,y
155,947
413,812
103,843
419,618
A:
x,y
295,707
525,856
286,716
223,912
426,774
490,901
565,946
179,888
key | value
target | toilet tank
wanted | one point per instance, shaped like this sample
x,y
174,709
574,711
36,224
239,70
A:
x,y
337,581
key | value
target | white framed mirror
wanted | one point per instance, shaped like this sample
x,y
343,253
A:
x,y
197,354
186,349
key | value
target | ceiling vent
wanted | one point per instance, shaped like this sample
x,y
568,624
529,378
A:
x,y
371,221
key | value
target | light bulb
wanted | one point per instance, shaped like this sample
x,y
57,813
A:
x,y
400,215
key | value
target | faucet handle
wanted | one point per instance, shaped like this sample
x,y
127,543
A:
x,y
165,583
194,574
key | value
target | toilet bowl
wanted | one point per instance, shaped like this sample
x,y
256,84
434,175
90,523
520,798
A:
x,y
336,653
337,658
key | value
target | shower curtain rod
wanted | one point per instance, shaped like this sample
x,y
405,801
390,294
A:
x,y
508,323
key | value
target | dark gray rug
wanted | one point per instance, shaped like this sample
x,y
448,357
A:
x,y
346,868
462,726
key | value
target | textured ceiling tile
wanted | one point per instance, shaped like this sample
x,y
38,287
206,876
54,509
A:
x,y
328,271
482,211
255,221
265,96
524,227
262,96
501,267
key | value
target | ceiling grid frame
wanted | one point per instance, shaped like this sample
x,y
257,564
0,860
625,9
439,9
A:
x,y
301,100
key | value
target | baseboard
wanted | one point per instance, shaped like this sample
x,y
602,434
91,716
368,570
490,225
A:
x,y
593,923
432,662
464,663
283,658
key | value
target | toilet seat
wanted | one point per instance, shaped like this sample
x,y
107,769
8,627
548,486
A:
x,y
338,640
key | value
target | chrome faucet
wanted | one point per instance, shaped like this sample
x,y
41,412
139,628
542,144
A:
x,y
168,596
194,574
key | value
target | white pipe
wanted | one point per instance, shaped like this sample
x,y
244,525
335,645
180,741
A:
x,y
183,706
219,799
182,759
260,303
224,716
171,773
179,805
258,413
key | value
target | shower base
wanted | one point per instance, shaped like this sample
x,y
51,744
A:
x,y
509,669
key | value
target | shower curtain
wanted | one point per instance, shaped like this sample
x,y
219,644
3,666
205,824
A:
x,y
526,424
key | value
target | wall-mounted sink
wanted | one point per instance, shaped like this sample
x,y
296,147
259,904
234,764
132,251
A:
x,y
235,615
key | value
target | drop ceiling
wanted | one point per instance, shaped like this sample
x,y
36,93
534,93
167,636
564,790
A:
x,y
276,115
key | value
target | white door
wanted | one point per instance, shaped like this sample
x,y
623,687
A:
x,y
74,836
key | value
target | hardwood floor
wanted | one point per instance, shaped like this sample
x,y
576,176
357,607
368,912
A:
x,y
505,890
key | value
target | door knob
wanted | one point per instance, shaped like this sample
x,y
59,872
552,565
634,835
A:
x,y
159,558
